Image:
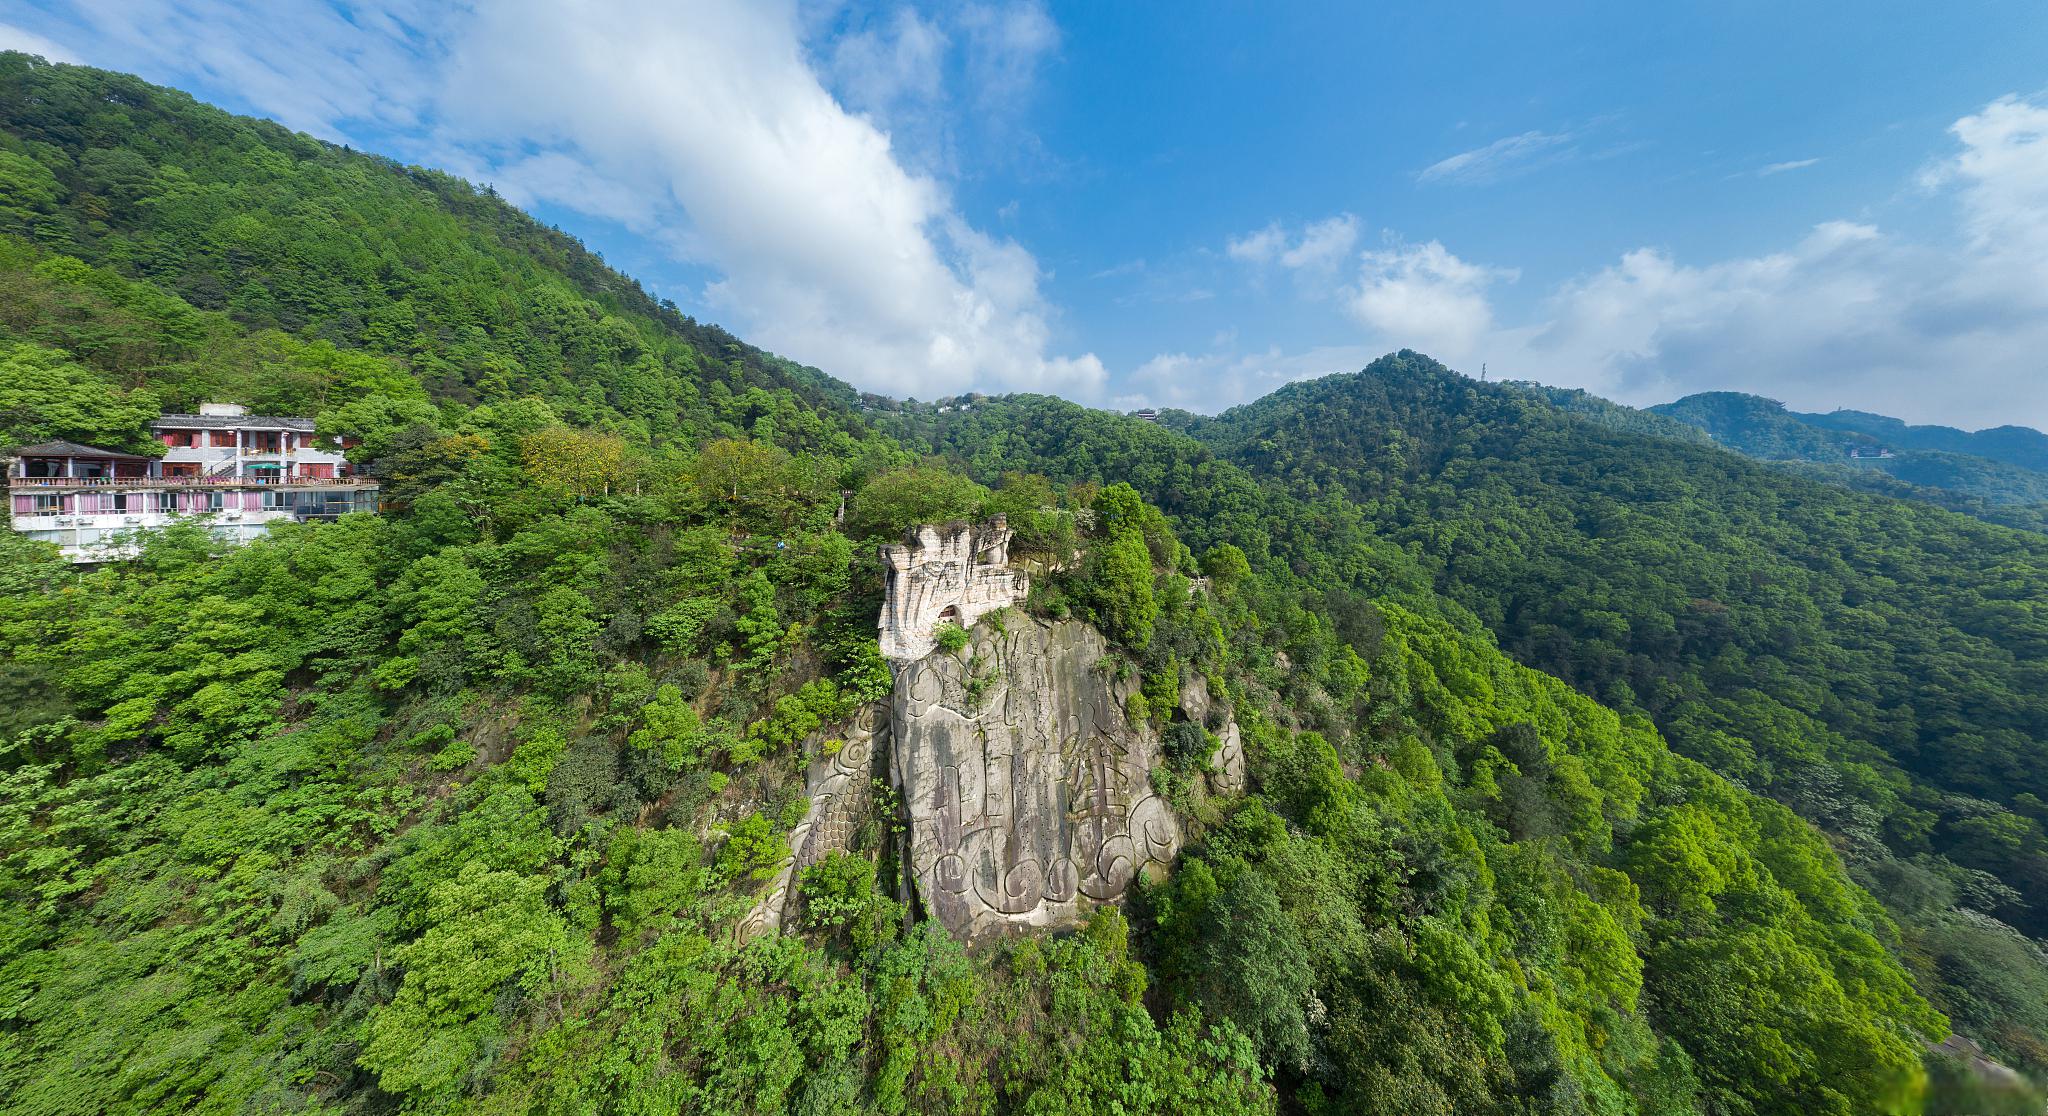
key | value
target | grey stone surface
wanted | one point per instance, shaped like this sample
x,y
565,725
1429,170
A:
x,y
1226,767
1226,764
1028,792
955,571
841,790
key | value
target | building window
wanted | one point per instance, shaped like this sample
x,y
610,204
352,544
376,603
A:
x,y
48,504
213,501
120,503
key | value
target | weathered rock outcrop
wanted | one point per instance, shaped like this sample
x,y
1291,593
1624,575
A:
x,y
1226,764
1028,790
958,572
840,786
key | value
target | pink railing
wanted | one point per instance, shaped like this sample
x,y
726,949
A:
x,y
181,482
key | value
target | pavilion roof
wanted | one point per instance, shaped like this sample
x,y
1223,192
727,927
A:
x,y
61,448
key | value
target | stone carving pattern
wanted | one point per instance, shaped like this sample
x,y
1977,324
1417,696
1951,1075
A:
x,y
1226,767
1037,801
841,790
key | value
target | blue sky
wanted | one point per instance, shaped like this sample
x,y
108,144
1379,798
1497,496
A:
x,y
1189,204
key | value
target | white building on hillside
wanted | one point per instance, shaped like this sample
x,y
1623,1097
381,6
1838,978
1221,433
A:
x,y
233,472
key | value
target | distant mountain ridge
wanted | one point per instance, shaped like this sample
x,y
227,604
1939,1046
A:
x,y
2014,445
1999,475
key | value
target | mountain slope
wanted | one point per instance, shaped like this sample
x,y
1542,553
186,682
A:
x,y
1878,664
460,808
277,230
1892,459
1873,663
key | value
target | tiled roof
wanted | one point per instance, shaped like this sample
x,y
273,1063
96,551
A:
x,y
62,448
221,422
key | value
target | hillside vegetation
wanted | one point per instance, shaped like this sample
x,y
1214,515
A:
x,y
1994,475
1877,664
458,808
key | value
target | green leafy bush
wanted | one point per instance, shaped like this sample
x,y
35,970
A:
x,y
951,637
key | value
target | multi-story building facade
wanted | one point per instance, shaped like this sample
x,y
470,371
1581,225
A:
x,y
234,472
224,440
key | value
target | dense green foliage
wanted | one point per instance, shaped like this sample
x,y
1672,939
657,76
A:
x,y
1875,665
1317,561
1928,463
460,807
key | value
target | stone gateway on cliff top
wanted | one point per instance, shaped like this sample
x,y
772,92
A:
x,y
957,572
1026,786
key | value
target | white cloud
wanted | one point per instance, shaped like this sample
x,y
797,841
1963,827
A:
x,y
829,248
1423,297
1261,247
1781,168
1006,45
1498,159
28,42
2002,173
939,80
1323,244
1209,382
891,68
706,126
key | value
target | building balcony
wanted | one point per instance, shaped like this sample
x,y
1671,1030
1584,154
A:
x,y
111,484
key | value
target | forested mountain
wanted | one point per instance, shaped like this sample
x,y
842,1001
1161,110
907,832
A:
x,y
1877,664
2019,446
299,243
462,807
1995,475
1874,664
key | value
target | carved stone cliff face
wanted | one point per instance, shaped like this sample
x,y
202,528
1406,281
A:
x,y
958,572
1029,794
840,787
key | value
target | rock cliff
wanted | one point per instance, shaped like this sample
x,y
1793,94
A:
x,y
1025,790
1028,791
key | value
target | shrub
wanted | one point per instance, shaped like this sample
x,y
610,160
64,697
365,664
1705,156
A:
x,y
836,890
752,851
678,627
1187,744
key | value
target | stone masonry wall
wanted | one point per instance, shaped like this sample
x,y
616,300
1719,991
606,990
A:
x,y
958,572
